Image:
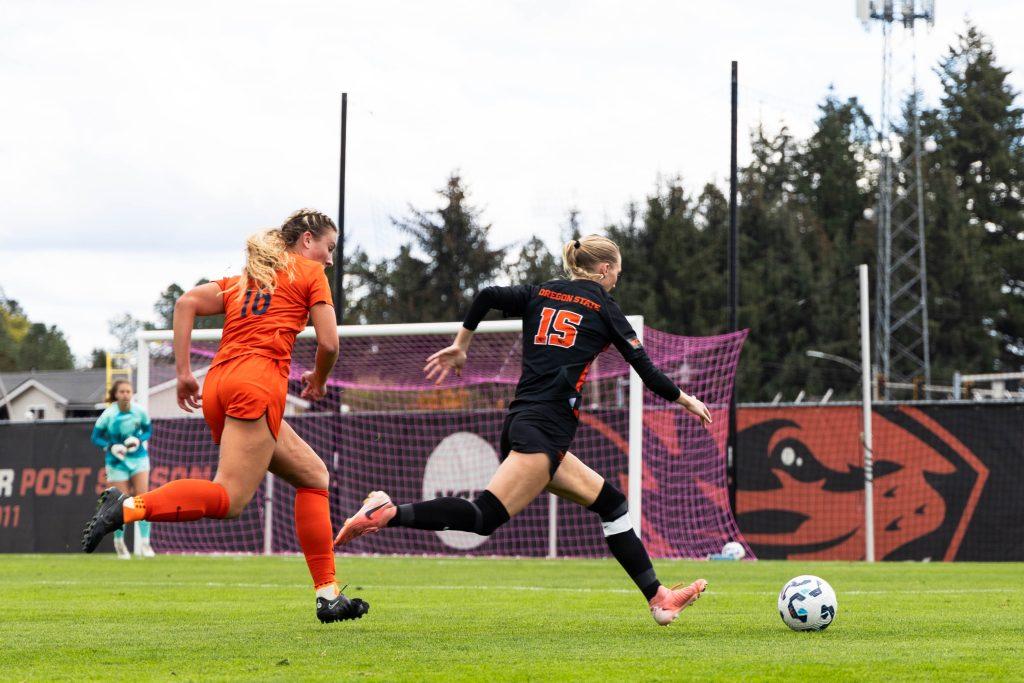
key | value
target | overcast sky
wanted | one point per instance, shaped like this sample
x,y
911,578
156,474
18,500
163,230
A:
x,y
140,142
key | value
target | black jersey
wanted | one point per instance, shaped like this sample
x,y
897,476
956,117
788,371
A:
x,y
566,324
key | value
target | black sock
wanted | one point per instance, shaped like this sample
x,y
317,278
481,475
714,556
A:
x,y
626,547
437,515
631,554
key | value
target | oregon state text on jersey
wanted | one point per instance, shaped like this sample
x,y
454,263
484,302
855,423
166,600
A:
x,y
566,324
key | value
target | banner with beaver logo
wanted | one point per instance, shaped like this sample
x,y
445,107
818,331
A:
x,y
947,482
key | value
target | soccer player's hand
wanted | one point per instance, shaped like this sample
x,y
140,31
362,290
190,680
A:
x,y
119,450
696,407
188,393
444,361
132,444
312,388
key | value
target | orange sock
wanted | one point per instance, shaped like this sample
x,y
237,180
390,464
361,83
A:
x,y
313,527
182,500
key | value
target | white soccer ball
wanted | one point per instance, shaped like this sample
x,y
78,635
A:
x,y
807,603
733,550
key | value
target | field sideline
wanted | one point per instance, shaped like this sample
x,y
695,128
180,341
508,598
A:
x,y
78,617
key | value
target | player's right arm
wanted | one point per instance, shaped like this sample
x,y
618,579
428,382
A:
x,y
511,301
99,432
202,300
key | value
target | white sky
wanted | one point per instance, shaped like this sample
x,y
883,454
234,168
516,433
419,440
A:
x,y
140,142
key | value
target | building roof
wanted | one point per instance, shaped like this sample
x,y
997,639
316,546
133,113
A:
x,y
78,387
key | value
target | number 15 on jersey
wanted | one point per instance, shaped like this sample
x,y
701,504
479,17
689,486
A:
x,y
557,328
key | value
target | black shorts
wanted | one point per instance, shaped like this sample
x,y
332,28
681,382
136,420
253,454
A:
x,y
539,428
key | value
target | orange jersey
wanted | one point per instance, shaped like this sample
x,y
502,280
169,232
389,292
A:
x,y
266,324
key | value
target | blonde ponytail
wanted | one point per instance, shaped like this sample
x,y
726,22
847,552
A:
x,y
266,252
581,257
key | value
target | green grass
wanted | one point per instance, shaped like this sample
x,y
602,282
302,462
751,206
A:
x,y
76,617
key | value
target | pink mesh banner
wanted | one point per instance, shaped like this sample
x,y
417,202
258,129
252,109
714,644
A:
x,y
383,427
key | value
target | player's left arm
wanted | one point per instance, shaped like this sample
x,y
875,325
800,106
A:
x,y
145,427
628,344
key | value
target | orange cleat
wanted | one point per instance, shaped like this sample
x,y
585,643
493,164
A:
x,y
669,602
375,514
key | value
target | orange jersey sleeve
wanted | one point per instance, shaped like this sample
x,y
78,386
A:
x,y
266,324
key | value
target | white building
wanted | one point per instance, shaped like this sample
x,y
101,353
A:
x,y
52,394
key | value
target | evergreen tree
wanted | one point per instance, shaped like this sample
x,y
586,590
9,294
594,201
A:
x,y
535,264
980,132
832,189
458,259
97,359
44,348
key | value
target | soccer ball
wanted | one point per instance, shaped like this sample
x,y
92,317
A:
x,y
807,603
733,550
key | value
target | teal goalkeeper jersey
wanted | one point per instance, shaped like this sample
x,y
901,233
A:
x,y
114,426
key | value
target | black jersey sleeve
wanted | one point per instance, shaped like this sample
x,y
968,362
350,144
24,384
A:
x,y
625,340
510,300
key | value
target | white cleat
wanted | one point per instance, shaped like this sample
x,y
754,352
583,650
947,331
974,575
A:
x,y
147,550
121,549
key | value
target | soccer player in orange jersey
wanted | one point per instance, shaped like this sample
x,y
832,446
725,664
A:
x,y
282,287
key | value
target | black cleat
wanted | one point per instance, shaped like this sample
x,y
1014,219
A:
x,y
340,609
109,517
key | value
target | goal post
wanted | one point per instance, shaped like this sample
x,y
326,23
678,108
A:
x,y
384,426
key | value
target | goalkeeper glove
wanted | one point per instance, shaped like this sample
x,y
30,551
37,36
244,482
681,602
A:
x,y
119,450
132,444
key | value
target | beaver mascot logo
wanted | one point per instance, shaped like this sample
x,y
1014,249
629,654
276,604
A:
x,y
800,484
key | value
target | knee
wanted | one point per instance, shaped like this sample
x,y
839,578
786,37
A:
x,y
491,513
613,509
318,476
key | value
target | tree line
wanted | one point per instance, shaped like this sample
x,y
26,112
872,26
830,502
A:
x,y
805,224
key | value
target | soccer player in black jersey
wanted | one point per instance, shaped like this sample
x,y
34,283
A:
x,y
566,324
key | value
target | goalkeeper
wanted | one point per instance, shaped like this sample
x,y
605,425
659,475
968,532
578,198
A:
x,y
122,432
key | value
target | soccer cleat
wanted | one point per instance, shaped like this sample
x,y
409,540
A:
x,y
121,549
375,514
109,517
146,549
340,609
669,602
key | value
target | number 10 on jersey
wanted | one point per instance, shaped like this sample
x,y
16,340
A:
x,y
564,325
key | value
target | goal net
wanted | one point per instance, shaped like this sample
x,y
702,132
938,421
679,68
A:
x,y
382,426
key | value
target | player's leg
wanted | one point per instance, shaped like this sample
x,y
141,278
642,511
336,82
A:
x,y
520,478
118,478
299,465
576,482
140,485
245,450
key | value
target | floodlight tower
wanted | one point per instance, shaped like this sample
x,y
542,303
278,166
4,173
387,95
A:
x,y
901,283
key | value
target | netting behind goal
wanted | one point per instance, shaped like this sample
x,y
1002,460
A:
x,y
383,427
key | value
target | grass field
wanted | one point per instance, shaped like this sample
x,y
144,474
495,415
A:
x,y
78,617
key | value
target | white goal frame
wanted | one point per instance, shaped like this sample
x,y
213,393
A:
x,y
636,403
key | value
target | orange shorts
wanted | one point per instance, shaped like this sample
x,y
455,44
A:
x,y
246,388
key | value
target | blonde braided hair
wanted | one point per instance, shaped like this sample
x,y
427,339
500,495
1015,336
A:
x,y
266,252
581,257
